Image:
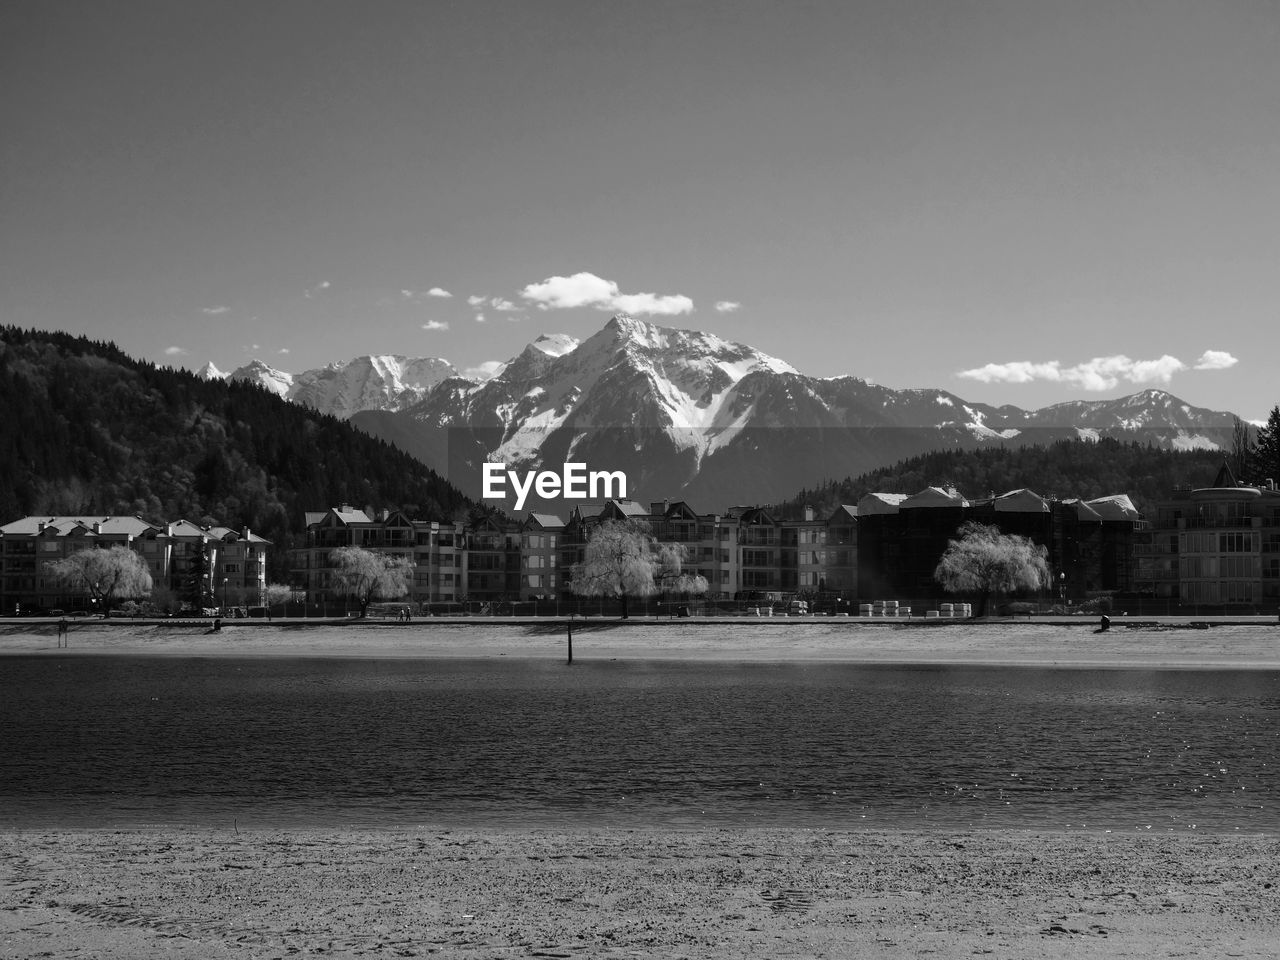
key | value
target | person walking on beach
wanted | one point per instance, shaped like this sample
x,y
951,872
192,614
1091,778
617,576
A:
x,y
64,639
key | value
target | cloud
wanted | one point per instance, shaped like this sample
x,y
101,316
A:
x,y
502,306
283,350
476,301
175,351
485,371
435,325
419,296
1215,360
480,318
1100,373
727,306
215,311
588,290
320,287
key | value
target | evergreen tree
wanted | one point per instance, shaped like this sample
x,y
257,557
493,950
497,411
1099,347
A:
x,y
197,585
1267,449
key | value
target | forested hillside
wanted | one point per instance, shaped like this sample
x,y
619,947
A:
x,y
1069,468
85,429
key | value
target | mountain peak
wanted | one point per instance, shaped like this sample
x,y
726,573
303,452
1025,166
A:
x,y
555,344
262,373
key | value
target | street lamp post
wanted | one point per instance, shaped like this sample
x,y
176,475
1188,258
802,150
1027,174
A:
x,y
224,596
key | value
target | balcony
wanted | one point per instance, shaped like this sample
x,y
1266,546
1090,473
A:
x,y
1220,523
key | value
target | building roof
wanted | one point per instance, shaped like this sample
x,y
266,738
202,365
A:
x,y
185,528
106,526
842,513
1225,477
547,521
1115,507
1020,501
1083,510
934,497
346,514
873,504
226,533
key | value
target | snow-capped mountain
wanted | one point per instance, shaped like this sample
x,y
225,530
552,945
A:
x,y
689,415
265,375
343,389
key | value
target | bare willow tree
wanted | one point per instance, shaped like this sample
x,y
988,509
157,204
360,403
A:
x,y
984,561
367,576
275,594
116,573
624,560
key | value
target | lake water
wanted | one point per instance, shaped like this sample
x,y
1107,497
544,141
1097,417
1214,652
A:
x,y
132,741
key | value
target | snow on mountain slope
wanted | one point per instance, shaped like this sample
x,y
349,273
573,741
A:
x,y
345,388
369,383
255,371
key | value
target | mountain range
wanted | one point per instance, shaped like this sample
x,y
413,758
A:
x,y
690,415
343,389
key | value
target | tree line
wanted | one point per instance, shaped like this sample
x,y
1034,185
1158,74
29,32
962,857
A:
x,y
1065,469
89,430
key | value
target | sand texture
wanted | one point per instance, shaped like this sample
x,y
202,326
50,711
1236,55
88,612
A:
x,y
711,893
1172,644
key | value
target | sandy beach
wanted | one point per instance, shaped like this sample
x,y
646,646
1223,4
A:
x,y
707,893
697,893
1142,643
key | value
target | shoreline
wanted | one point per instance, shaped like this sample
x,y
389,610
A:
x,y
706,893
1141,644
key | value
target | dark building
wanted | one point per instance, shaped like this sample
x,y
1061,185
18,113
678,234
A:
x,y
901,539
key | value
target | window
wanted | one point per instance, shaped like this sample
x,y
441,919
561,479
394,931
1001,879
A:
x,y
1235,542
1236,591
231,568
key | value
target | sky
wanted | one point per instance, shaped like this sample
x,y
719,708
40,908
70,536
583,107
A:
x,y
1023,202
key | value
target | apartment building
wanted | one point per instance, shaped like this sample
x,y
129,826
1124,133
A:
x,y
232,565
1216,547
541,545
